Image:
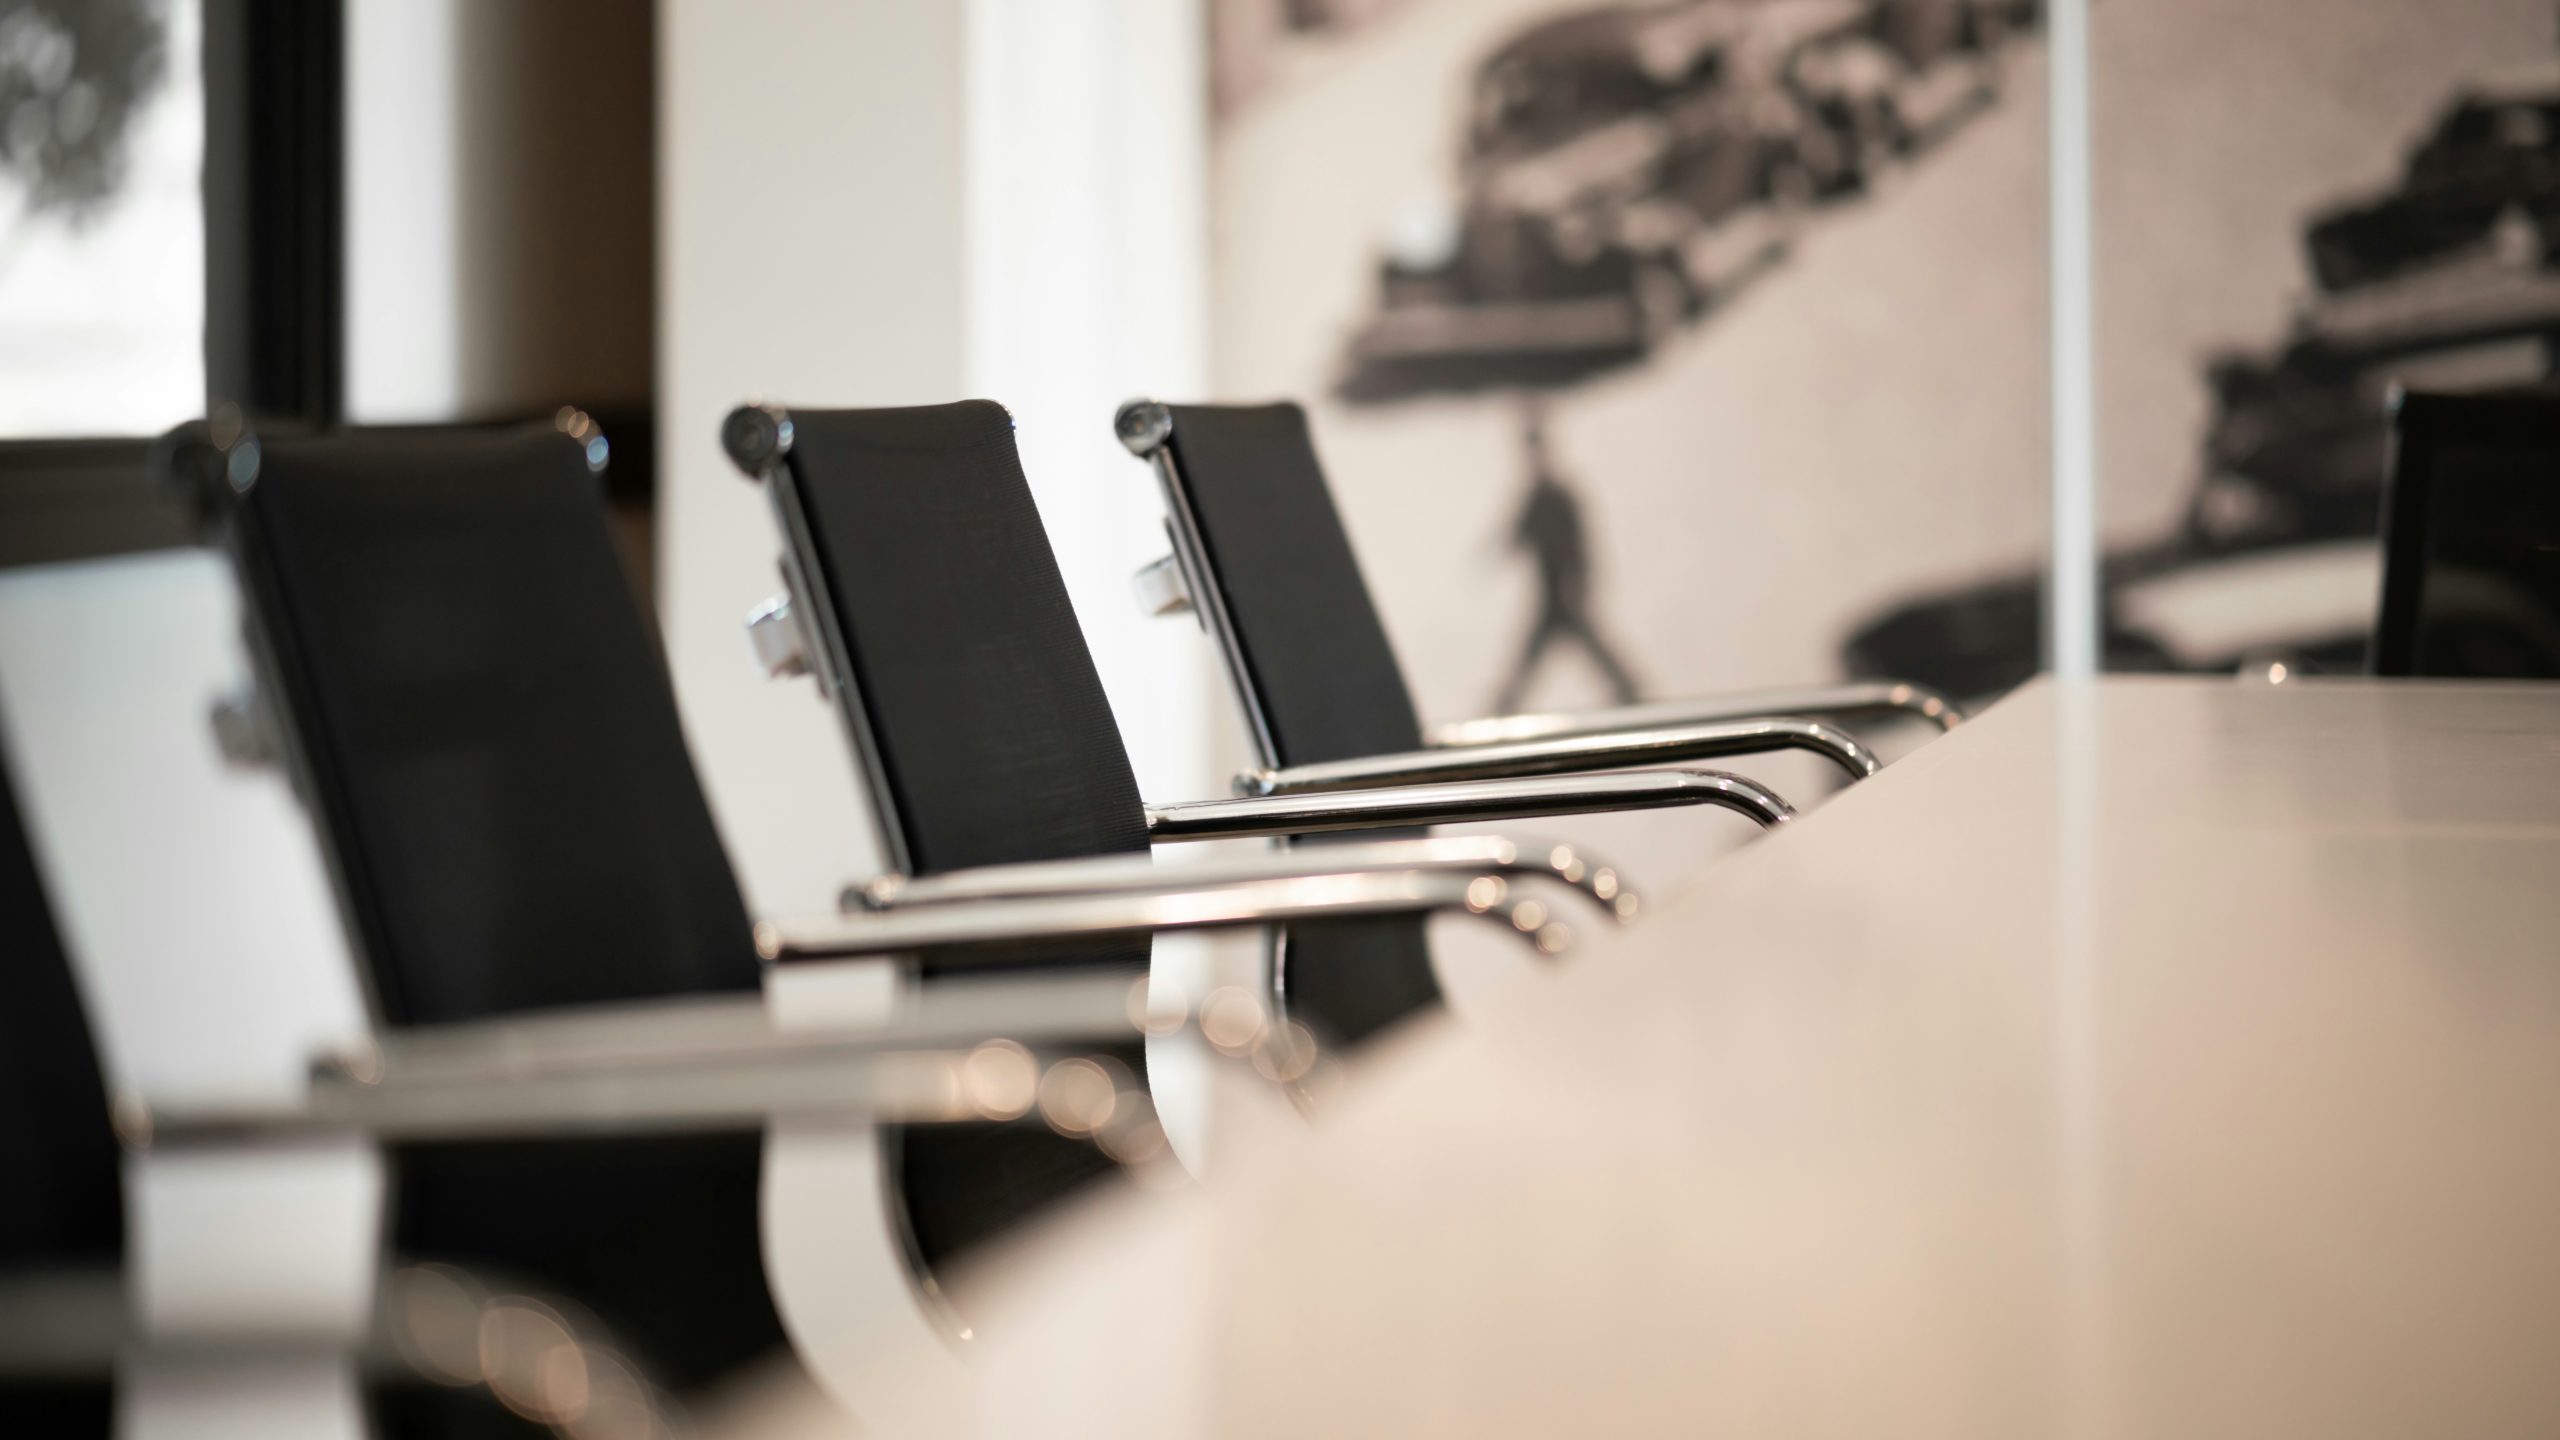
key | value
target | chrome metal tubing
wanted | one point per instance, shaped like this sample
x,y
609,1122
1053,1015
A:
x,y
1145,427
85,1325
1570,755
1878,699
698,1064
1070,1008
1463,802
695,1094
1501,855
1238,904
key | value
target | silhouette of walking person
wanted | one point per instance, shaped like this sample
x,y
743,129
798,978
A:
x,y
1550,529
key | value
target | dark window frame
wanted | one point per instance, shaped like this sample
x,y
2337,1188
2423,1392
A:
x,y
275,282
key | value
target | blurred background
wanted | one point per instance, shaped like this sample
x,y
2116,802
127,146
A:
x,y
1652,349
1724,320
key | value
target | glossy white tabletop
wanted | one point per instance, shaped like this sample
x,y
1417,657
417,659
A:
x,y
2164,1057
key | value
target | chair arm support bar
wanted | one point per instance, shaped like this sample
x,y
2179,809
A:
x,y
1175,905
709,1066
1470,855
1879,699
1571,755
913,1086
1463,802
704,1065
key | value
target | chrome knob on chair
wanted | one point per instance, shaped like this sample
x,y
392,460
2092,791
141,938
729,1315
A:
x,y
1161,589
773,633
242,729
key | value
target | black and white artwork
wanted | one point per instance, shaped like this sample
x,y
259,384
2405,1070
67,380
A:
x,y
1744,301
2430,260
1627,324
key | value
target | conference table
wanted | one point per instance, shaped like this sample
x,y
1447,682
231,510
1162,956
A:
x,y
2146,1057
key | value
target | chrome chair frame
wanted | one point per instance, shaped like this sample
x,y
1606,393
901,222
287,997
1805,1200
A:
x,y
714,1063
1487,856
1573,743
74,1325
795,633
706,1064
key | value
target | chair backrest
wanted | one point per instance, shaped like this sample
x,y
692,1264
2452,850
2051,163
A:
x,y
941,627
1274,576
946,633
2471,538
479,720
485,723
951,646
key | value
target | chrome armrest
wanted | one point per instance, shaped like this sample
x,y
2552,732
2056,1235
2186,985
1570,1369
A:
x,y
1462,802
1878,699
1175,904
692,1066
1570,755
72,1325
1469,855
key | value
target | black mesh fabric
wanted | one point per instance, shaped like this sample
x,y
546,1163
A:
x,y
68,1208
1350,979
494,743
1316,654
996,739
491,726
1316,659
63,1205
997,744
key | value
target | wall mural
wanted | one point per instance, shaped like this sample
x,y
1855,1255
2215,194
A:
x,y
1626,171
1549,230
2447,277
1700,344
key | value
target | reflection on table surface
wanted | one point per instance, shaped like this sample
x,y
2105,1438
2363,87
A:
x,y
2152,1057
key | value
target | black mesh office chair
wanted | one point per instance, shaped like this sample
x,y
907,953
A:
x,y
923,594
2471,538
454,671
1260,553
478,720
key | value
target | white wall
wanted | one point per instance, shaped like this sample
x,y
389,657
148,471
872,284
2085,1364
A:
x,y
908,204
894,204
1087,227
812,253
403,211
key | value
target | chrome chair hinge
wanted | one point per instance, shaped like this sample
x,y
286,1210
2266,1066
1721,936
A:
x,y
244,730
774,635
1160,587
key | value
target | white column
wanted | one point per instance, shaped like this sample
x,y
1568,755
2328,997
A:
x,y
812,253
809,180
2071,597
891,205
404,312
1087,285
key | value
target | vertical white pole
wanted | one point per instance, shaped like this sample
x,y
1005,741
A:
x,y
2071,598
404,302
1085,221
